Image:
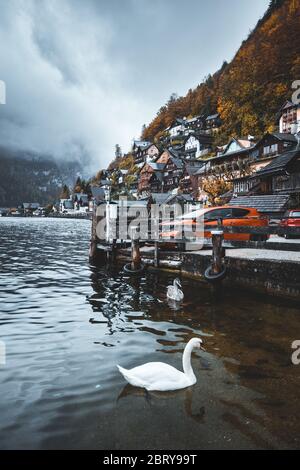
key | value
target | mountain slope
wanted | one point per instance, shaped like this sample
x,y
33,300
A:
x,y
248,91
27,177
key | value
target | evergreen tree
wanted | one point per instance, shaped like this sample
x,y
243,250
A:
x,y
118,151
65,192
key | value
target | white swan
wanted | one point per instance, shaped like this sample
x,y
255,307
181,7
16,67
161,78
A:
x,y
173,292
162,377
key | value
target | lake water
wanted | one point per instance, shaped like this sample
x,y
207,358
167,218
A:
x,y
66,325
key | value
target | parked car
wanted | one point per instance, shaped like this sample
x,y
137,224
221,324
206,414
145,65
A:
x,y
234,216
290,220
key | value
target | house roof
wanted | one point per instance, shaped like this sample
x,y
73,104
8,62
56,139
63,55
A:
x,y
179,198
98,193
67,204
169,197
180,121
194,119
177,162
287,104
105,182
265,203
284,136
192,169
224,155
31,205
203,168
201,136
137,203
244,144
279,164
212,116
160,198
141,143
156,166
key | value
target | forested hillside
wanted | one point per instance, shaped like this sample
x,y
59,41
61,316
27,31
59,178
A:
x,y
248,91
27,177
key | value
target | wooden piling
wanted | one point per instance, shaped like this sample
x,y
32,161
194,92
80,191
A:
x,y
156,254
217,251
135,251
135,255
94,239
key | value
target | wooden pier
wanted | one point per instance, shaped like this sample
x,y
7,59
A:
x,y
271,267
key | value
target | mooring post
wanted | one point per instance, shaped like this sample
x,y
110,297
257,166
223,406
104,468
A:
x,y
216,271
217,251
135,252
93,241
156,254
114,250
94,252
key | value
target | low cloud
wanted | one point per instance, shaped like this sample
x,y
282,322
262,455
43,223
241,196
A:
x,y
82,76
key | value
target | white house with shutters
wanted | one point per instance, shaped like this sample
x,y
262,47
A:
x,y
192,147
289,121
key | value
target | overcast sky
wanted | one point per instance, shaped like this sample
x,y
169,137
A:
x,y
83,75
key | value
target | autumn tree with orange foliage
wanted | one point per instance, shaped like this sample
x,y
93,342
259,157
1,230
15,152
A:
x,y
249,91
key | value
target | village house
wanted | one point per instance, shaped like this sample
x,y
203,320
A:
x,y
266,149
66,205
196,123
98,195
173,169
195,144
132,184
289,121
28,208
186,201
139,144
188,183
213,122
231,163
177,127
145,153
137,149
150,178
121,175
281,175
228,161
81,201
198,179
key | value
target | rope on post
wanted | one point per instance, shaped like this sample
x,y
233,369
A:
x,y
136,266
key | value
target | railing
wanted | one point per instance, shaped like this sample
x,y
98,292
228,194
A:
x,y
154,227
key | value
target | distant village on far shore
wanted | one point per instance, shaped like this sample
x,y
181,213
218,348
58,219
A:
x,y
185,166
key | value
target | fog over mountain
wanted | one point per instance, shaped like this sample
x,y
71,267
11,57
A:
x,y
84,75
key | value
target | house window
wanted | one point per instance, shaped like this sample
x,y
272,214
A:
x,y
255,153
274,148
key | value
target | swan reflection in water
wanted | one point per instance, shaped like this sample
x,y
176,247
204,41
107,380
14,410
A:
x,y
129,390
